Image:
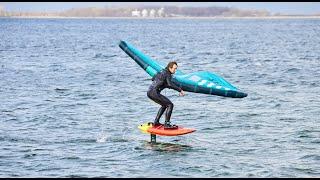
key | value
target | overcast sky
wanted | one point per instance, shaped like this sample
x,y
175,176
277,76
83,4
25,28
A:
x,y
273,7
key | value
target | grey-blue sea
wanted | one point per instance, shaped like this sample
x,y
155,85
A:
x,y
71,99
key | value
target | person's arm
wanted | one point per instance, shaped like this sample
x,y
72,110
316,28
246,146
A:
x,y
154,76
171,85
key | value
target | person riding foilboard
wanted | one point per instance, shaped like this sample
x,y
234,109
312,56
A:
x,y
160,81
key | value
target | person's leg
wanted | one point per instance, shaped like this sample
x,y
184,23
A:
x,y
160,112
169,106
157,99
169,112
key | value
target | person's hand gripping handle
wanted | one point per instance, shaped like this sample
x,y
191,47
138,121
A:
x,y
181,93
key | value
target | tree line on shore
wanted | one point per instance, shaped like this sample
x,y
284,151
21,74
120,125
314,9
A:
x,y
168,11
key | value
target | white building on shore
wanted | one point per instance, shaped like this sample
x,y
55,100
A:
x,y
161,12
152,13
136,13
144,13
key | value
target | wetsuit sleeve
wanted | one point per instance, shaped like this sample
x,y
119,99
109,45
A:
x,y
171,85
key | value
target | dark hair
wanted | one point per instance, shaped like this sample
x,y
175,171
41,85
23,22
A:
x,y
170,65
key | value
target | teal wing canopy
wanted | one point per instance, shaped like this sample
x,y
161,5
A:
x,y
198,82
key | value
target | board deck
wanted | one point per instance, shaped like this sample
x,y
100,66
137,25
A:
x,y
159,130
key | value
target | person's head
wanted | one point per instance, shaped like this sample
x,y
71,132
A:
x,y
172,67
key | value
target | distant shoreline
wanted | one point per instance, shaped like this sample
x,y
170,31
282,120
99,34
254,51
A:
x,y
148,18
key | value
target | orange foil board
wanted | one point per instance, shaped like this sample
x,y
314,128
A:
x,y
159,130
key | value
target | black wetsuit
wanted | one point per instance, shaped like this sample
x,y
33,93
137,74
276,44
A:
x,y
160,81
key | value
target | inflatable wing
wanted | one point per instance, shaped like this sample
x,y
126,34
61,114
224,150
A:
x,y
198,82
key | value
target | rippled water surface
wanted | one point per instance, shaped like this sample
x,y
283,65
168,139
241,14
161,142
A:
x,y
71,99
